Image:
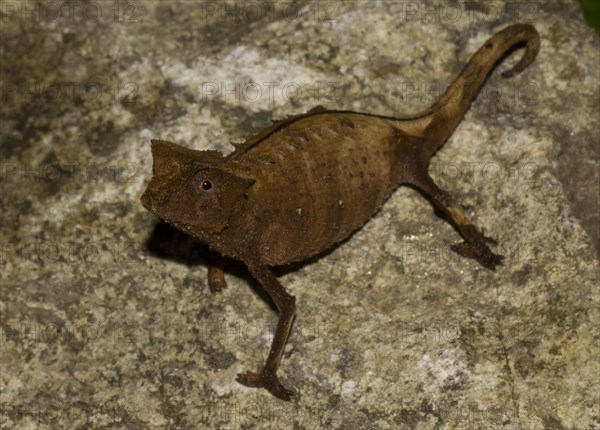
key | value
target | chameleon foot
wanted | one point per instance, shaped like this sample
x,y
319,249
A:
x,y
216,276
216,284
479,252
267,381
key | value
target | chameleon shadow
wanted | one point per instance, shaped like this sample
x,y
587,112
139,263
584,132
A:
x,y
168,243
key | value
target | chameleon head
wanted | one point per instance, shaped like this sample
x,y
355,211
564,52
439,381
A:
x,y
192,190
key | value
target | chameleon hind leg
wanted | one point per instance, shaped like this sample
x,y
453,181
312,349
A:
x,y
475,245
286,304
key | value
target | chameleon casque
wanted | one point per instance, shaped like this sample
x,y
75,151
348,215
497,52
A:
x,y
309,181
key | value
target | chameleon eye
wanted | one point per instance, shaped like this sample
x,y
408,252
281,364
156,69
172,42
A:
x,y
206,185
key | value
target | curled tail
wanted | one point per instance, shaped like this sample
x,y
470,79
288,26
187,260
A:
x,y
446,113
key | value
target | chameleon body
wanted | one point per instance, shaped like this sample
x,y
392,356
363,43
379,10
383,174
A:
x,y
305,183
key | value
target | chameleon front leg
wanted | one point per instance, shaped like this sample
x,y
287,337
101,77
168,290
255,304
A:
x,y
286,305
216,276
475,246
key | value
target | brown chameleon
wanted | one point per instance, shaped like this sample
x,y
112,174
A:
x,y
305,183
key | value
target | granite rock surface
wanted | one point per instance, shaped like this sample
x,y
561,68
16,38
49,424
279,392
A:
x,y
107,320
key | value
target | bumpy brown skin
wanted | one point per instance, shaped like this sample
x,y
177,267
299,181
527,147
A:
x,y
306,183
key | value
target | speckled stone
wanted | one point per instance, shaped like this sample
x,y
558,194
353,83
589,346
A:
x,y
107,320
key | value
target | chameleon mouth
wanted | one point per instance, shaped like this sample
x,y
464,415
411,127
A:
x,y
147,200
154,203
168,209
